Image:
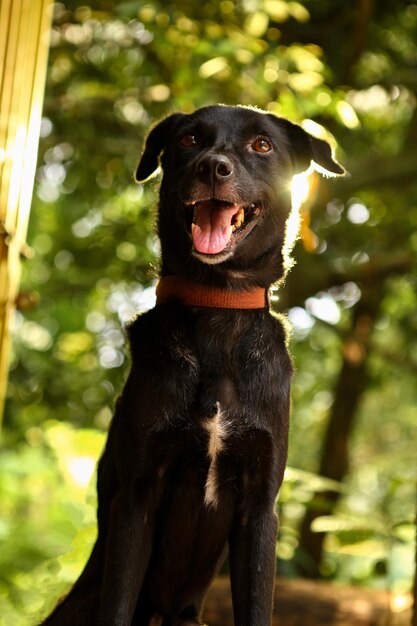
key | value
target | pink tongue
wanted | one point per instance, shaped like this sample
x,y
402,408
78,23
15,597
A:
x,y
212,226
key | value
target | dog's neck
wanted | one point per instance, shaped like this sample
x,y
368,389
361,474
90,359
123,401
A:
x,y
181,289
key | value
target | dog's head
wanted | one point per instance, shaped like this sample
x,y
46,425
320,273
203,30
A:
x,y
225,192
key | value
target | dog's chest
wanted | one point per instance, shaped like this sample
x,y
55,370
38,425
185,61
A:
x,y
219,428
240,370
212,383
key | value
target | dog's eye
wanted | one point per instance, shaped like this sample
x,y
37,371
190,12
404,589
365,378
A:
x,y
188,141
262,144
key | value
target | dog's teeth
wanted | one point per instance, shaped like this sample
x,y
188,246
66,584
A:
x,y
239,218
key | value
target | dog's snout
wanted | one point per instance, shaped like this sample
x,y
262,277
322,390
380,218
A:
x,y
214,167
224,168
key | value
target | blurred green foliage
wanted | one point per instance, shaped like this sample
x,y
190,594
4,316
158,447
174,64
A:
x,y
116,67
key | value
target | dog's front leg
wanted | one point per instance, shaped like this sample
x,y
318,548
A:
x,y
252,566
129,545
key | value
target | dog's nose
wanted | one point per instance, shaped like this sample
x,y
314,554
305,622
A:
x,y
214,167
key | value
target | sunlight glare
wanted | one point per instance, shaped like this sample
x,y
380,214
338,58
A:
x,y
400,603
300,188
81,470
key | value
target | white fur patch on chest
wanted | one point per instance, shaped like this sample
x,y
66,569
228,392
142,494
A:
x,y
217,430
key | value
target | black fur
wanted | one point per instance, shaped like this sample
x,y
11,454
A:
x,y
160,537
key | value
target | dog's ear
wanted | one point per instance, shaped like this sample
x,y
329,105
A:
x,y
307,150
154,145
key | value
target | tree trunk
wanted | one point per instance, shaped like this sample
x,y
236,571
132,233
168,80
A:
x,y
414,618
349,389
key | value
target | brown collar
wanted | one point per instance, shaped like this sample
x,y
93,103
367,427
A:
x,y
180,289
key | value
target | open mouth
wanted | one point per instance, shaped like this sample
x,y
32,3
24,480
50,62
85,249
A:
x,y
214,224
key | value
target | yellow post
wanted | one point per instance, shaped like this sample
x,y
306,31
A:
x,y
24,41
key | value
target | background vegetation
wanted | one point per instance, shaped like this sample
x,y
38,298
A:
x,y
347,507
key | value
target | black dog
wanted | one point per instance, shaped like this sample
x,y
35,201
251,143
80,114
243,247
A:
x,y
198,444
